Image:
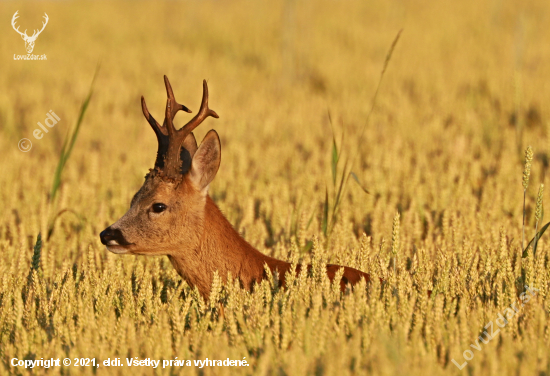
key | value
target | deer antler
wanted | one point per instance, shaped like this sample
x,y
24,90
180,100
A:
x,y
161,130
170,139
177,137
15,16
35,34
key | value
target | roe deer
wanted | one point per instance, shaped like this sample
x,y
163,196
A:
x,y
173,215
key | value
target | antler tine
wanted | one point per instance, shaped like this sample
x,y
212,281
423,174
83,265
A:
x,y
160,132
172,107
203,113
173,162
150,119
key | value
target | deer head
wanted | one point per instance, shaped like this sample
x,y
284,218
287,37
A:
x,y
29,41
167,213
172,214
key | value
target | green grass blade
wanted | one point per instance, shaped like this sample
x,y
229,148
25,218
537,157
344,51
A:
x,y
343,180
324,224
335,156
375,96
390,52
69,142
537,236
310,220
359,183
338,197
334,161
345,174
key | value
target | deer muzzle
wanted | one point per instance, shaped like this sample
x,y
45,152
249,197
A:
x,y
114,240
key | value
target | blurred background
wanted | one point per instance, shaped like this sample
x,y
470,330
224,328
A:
x,y
465,91
467,83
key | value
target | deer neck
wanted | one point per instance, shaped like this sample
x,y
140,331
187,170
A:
x,y
222,249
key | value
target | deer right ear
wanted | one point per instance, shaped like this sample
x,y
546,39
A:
x,y
206,161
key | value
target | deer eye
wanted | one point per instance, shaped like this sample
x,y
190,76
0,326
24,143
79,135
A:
x,y
159,207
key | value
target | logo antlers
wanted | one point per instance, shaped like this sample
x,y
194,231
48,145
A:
x,y
29,41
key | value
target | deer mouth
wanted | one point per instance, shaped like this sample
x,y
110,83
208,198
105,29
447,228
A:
x,y
114,240
117,249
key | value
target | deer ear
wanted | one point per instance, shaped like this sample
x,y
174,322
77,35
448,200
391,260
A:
x,y
188,149
190,144
206,161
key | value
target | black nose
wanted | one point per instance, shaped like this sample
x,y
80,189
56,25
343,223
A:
x,y
112,236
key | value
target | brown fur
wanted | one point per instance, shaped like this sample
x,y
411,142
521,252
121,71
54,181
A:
x,y
191,230
198,239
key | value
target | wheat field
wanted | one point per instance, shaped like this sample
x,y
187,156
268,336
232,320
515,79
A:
x,y
465,92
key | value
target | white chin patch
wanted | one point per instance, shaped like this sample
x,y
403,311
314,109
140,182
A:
x,y
115,248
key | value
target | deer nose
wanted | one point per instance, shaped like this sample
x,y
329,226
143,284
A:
x,y
112,236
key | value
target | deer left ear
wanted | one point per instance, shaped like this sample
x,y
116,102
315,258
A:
x,y
206,161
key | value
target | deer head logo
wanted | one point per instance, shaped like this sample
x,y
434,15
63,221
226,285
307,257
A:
x,y
29,41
